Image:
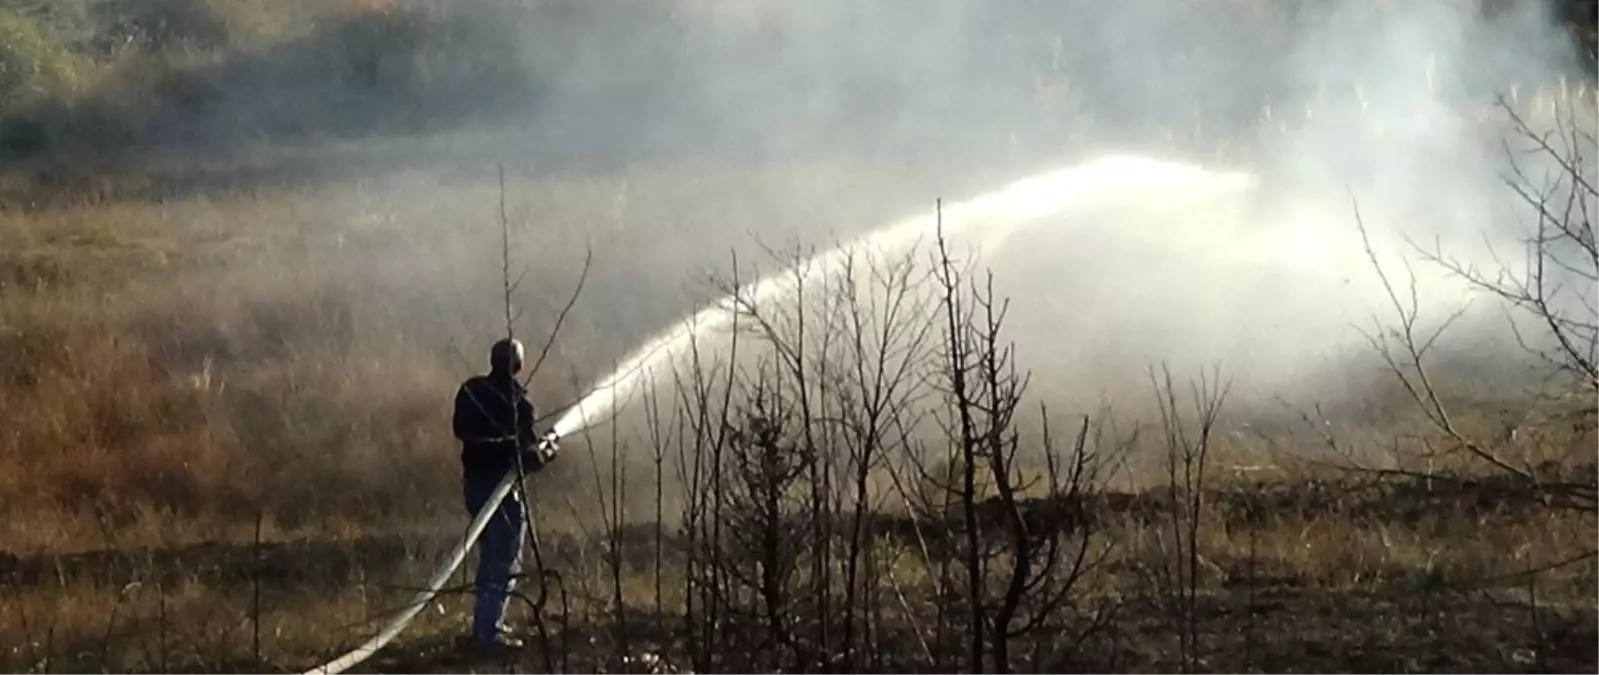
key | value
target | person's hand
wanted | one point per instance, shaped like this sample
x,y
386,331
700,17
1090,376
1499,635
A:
x,y
544,451
533,460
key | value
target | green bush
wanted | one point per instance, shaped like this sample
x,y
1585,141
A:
x,y
34,62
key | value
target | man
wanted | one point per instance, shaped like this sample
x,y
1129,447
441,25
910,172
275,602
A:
x,y
494,422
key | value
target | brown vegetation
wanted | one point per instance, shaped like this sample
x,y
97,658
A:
x,y
135,538
223,442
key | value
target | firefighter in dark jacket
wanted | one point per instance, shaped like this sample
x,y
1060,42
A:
x,y
494,422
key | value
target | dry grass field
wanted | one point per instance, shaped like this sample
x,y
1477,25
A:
x,y
248,249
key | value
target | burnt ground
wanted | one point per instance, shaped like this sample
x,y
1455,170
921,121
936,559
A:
x,y
1247,619
1393,499
1277,629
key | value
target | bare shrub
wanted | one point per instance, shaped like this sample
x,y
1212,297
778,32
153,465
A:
x,y
1552,305
808,446
1187,440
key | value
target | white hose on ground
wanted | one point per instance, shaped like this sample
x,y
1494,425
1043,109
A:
x,y
420,601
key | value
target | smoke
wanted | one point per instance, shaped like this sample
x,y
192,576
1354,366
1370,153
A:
x,y
865,112
956,78
1335,105
1384,107
1420,151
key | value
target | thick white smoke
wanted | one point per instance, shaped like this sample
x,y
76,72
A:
x,y
1326,103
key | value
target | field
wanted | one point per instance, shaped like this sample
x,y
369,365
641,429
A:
x,y
248,250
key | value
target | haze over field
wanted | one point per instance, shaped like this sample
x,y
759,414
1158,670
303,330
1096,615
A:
x,y
664,135
1341,102
389,114
250,248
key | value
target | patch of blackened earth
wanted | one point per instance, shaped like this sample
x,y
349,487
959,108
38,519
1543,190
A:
x,y
1289,629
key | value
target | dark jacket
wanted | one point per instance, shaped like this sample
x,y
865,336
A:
x,y
494,420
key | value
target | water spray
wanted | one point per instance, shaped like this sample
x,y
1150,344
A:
x,y
996,215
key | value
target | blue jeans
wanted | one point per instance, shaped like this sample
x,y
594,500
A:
x,y
499,553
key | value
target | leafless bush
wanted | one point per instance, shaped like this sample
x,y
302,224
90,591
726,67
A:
x,y
807,447
1552,307
1188,444
1049,543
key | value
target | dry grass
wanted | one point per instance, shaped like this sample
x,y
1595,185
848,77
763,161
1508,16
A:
x,y
182,367
171,370
205,358
1291,578
257,343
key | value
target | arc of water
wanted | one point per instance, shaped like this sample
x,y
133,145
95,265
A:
x,y
1002,211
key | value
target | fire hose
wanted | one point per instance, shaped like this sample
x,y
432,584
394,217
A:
x,y
420,601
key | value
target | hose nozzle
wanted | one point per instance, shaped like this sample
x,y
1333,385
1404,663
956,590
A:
x,y
547,444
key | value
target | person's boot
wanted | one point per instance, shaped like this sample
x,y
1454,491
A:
x,y
499,644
